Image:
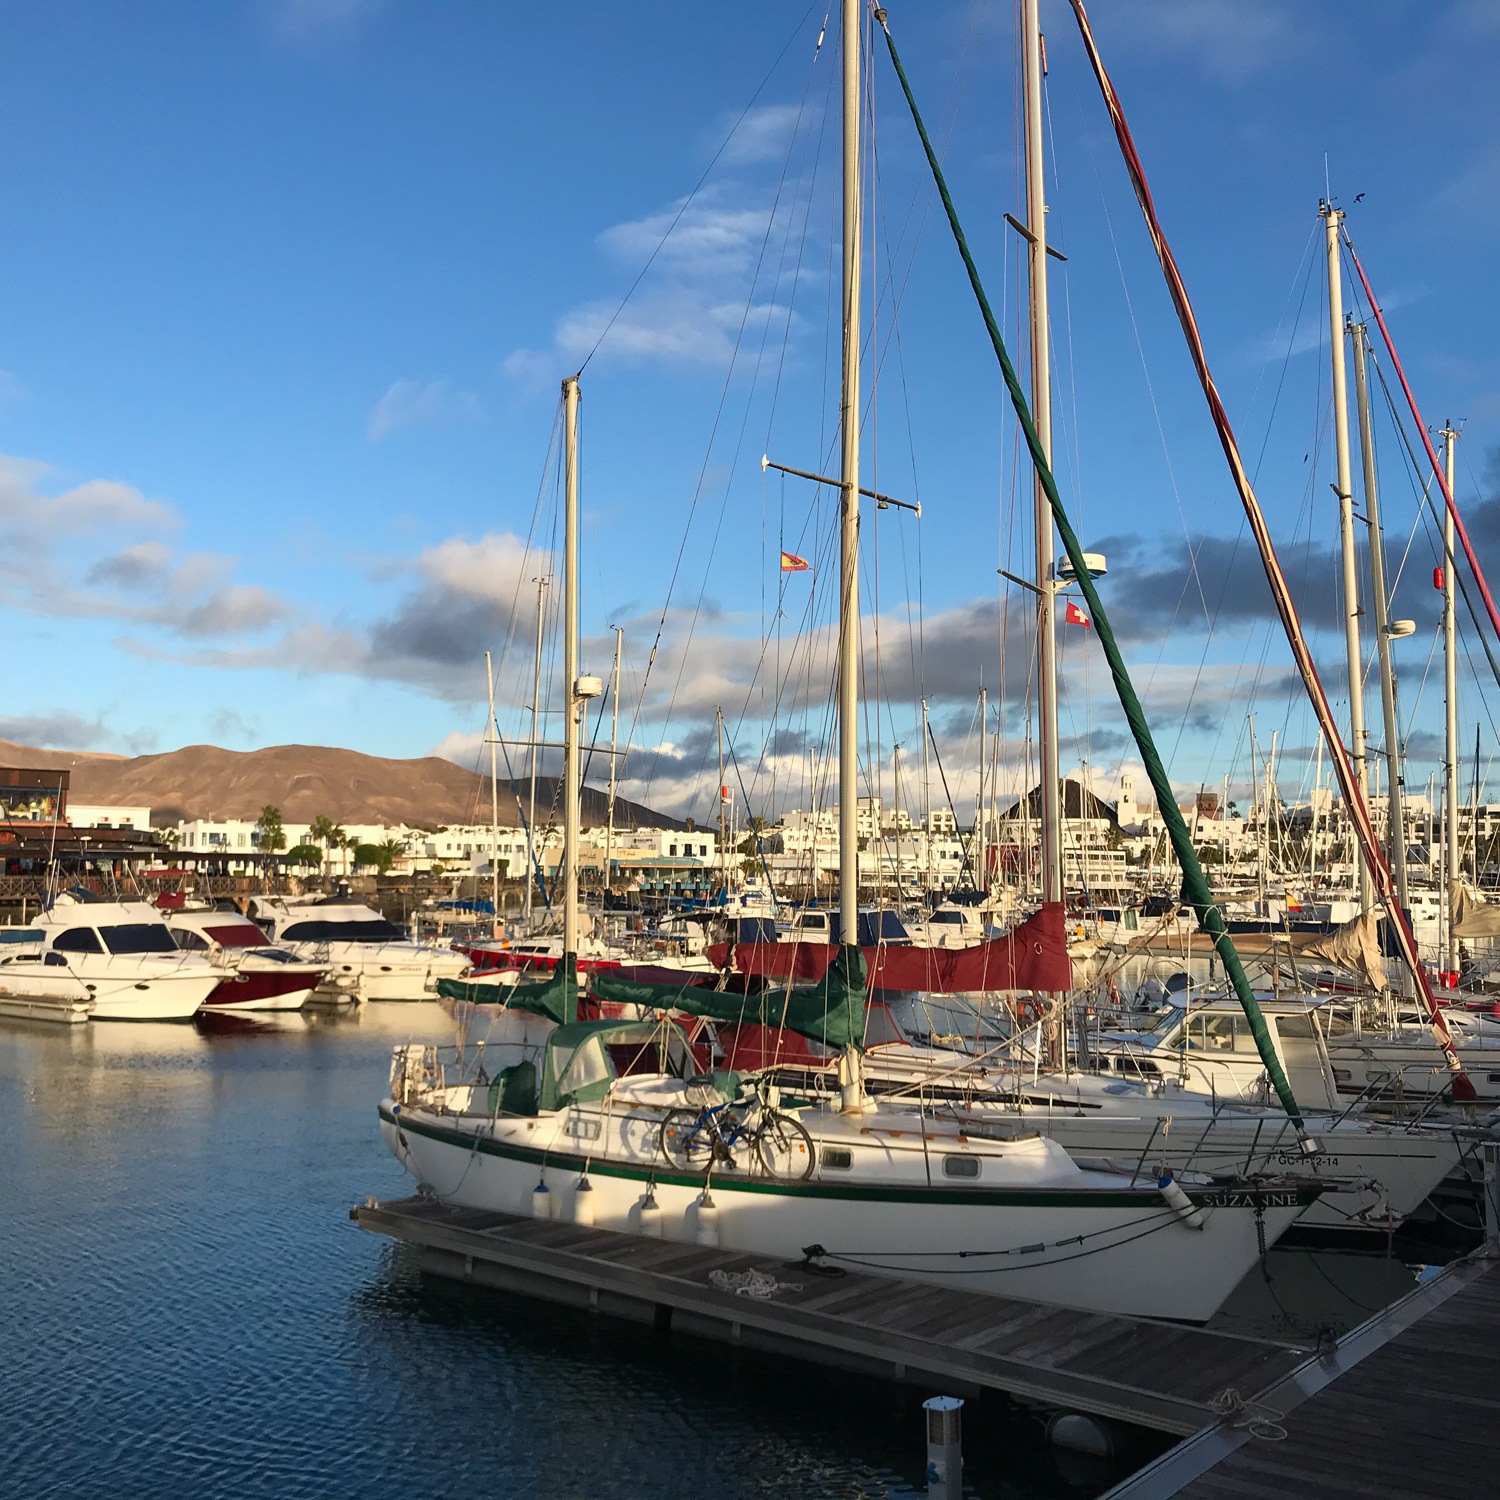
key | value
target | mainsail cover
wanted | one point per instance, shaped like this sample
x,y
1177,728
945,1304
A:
x,y
1032,957
1353,945
830,1010
1473,915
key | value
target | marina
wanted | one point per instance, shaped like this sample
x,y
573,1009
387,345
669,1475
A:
x,y
763,1043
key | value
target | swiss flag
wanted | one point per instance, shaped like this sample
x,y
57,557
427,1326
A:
x,y
1075,616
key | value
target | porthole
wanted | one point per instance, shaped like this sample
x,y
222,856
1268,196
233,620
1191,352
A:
x,y
836,1158
961,1166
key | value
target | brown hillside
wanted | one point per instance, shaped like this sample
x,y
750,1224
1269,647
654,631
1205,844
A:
x,y
203,781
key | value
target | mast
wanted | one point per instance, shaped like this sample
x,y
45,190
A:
x,y
851,1069
849,488
723,838
926,802
532,856
1041,411
492,733
1450,703
1395,795
572,765
614,747
1332,217
979,828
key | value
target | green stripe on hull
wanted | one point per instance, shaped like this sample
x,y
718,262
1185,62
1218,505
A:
x,y
727,1182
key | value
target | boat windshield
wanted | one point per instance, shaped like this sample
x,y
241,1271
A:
x,y
138,937
374,931
236,935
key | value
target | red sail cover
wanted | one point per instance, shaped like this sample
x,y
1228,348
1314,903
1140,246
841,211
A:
x,y
1032,957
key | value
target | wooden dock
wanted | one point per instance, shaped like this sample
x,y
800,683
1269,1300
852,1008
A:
x,y
1157,1375
1405,1407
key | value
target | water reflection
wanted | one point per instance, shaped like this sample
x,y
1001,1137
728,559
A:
x,y
189,1311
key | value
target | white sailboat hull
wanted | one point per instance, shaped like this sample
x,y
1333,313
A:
x,y
1125,1252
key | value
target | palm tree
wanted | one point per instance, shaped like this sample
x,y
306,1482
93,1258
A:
x,y
323,830
393,849
272,834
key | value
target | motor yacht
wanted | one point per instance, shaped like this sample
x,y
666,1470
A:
x,y
123,955
365,957
265,977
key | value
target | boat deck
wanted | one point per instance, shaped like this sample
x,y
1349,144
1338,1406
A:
x,y
1407,1407
41,1008
1157,1375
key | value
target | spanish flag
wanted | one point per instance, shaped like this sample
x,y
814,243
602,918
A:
x,y
791,563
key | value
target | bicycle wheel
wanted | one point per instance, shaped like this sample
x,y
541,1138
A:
x,y
688,1139
786,1149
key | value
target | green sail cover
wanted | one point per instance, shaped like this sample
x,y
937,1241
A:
x,y
552,997
832,1011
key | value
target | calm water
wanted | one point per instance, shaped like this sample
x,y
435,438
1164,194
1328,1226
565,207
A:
x,y
187,1311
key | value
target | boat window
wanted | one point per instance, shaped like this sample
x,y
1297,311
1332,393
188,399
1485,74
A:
x,y
1336,1023
1132,921
1219,1034
78,940
1163,1020
20,935
236,935
836,1158
952,918
139,937
1300,1027
56,959
588,1064
189,942
375,931
960,1166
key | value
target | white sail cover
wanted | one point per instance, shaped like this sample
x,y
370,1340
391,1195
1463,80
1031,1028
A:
x,y
1353,945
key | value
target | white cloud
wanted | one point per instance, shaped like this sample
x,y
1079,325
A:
x,y
682,327
305,18
690,308
30,516
765,133
415,403
706,240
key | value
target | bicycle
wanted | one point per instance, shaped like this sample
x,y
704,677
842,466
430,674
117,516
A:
x,y
700,1139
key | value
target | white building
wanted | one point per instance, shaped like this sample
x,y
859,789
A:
x,y
83,815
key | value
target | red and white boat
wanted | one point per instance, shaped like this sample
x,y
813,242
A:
x,y
264,976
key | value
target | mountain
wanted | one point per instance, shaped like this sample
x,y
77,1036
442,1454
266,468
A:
x,y
203,781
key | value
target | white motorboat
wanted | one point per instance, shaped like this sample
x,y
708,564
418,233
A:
x,y
365,956
264,976
583,1116
31,989
123,956
1328,1050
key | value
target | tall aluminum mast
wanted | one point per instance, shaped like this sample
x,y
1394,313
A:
x,y
1331,220
492,734
1041,412
1395,796
533,854
614,752
571,790
848,675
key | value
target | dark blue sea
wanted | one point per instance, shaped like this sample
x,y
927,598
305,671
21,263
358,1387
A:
x,y
186,1311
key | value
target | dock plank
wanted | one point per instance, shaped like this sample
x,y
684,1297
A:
x,y
1412,1419
886,1324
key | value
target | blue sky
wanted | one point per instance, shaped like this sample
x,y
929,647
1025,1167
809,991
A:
x,y
288,287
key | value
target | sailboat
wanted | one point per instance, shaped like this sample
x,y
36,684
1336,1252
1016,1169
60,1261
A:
x,y
597,1121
